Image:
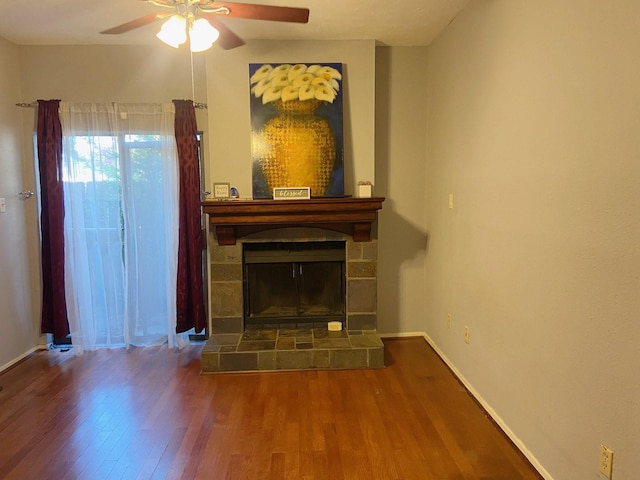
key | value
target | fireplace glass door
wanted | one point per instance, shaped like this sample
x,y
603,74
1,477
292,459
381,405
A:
x,y
294,282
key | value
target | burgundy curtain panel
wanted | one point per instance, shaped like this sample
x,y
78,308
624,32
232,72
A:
x,y
49,144
190,289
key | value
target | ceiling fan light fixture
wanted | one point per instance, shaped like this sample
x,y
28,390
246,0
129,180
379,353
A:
x,y
202,35
174,31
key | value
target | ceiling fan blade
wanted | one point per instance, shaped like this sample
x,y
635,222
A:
x,y
263,12
137,23
227,39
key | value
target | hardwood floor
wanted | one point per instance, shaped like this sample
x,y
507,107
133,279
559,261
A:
x,y
147,413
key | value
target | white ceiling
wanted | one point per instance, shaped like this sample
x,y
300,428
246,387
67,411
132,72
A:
x,y
77,22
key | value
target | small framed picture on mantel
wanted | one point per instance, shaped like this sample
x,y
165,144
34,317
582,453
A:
x,y
221,190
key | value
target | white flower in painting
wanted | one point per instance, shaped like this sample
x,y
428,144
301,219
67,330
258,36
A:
x,y
328,72
288,82
325,93
319,81
272,94
262,72
280,80
304,79
290,93
280,70
259,88
296,71
313,68
307,92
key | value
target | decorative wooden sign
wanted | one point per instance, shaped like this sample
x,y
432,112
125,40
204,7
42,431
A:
x,y
292,193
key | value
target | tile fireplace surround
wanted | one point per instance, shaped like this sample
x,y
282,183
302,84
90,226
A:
x,y
234,347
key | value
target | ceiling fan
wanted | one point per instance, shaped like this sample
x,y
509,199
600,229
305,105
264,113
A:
x,y
185,15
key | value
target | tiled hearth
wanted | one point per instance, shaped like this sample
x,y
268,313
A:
x,y
234,346
292,348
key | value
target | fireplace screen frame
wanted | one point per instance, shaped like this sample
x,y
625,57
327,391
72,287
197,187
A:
x,y
298,258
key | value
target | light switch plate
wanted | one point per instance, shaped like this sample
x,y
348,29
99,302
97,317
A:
x,y
3,205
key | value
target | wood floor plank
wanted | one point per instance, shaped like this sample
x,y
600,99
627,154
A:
x,y
148,413
278,465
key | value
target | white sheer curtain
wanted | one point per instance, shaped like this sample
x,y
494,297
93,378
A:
x,y
121,222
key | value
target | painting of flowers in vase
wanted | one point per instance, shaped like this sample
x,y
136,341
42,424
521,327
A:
x,y
296,128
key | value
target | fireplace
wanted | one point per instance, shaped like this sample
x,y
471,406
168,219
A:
x,y
341,227
294,282
280,271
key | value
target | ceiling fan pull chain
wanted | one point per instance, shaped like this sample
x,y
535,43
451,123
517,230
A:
x,y
193,83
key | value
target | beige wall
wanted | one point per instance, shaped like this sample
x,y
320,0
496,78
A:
x,y
94,73
101,73
533,126
401,149
17,315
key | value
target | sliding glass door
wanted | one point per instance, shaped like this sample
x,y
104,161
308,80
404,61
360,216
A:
x,y
120,186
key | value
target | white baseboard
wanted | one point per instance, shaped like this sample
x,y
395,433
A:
x,y
492,413
21,357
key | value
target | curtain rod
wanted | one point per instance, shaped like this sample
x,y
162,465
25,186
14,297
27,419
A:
x,y
35,104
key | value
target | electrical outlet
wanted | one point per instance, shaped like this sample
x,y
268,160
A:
x,y
606,461
466,334
449,320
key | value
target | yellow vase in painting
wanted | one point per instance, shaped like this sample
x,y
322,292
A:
x,y
296,148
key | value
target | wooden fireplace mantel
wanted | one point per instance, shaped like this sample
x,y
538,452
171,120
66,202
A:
x,y
232,219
